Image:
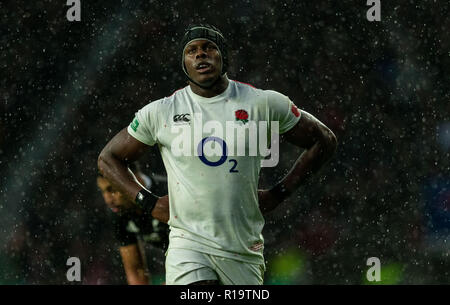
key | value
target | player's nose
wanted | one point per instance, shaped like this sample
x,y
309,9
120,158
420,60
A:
x,y
201,53
108,198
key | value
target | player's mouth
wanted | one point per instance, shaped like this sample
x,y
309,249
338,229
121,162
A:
x,y
113,208
203,67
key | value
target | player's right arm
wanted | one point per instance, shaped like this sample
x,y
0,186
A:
x,y
133,262
113,162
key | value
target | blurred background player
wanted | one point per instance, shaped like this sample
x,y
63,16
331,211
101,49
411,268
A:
x,y
135,231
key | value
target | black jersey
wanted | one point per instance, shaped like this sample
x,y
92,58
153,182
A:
x,y
130,226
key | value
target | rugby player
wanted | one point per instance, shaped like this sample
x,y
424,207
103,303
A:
x,y
134,230
216,209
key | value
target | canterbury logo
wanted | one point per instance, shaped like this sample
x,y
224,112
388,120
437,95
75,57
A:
x,y
181,117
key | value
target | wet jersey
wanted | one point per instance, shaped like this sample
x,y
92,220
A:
x,y
129,227
212,169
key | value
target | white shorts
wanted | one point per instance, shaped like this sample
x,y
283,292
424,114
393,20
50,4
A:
x,y
185,266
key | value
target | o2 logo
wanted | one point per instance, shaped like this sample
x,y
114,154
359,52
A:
x,y
222,159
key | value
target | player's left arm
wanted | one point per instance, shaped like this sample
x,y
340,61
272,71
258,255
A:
x,y
319,143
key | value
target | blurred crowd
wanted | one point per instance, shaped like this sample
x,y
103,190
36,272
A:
x,y
382,87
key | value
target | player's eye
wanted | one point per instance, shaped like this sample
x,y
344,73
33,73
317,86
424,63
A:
x,y
191,51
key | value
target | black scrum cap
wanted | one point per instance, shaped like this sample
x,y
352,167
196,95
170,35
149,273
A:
x,y
207,32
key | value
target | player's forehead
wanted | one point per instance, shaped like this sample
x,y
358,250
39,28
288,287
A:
x,y
198,43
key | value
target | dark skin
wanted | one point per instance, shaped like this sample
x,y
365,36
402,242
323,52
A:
x,y
319,143
204,51
133,258
113,162
310,134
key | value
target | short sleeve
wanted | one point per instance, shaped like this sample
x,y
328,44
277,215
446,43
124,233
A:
x,y
122,235
144,125
282,110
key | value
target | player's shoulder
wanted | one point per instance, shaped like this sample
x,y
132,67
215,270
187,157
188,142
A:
x,y
247,92
178,95
163,104
245,88
275,96
258,95
119,220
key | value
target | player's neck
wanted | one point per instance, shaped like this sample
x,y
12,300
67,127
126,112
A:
x,y
218,88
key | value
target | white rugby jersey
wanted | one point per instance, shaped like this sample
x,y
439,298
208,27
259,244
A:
x,y
212,187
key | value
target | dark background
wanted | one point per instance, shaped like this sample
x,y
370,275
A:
x,y
382,87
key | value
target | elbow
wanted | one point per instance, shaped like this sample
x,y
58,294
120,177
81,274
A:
x,y
101,160
333,141
329,143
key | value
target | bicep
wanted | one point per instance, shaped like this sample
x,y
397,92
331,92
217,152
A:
x,y
306,132
125,147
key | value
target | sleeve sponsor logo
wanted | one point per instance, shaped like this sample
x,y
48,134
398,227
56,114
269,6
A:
x,y
135,124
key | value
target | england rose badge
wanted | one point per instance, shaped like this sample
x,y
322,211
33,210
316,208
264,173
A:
x,y
241,115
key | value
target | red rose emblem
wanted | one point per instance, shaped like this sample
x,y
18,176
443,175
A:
x,y
241,115
295,111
